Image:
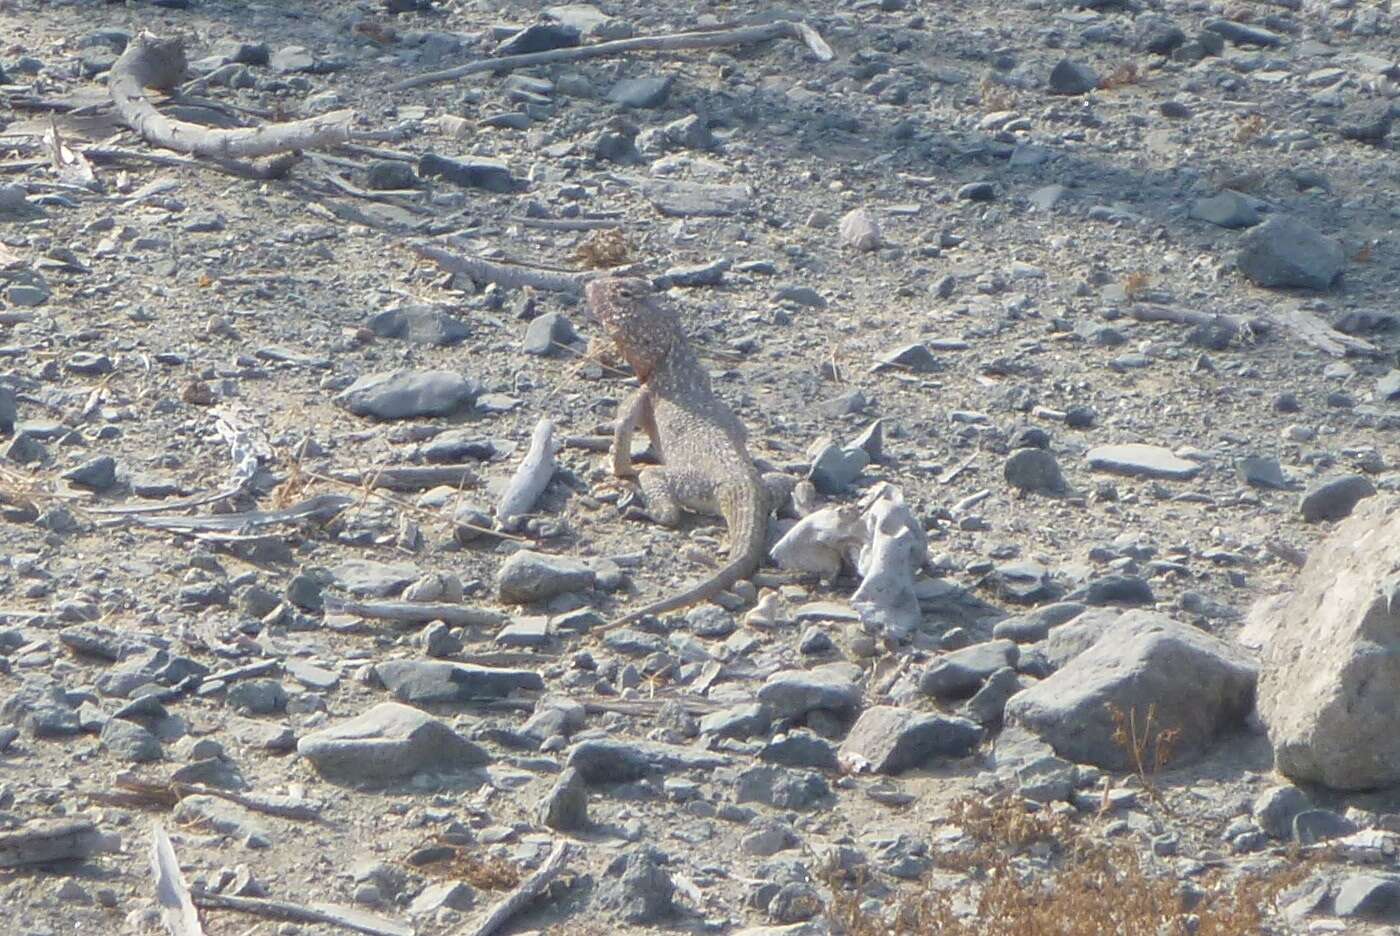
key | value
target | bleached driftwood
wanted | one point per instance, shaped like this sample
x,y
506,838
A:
x,y
176,909
820,542
351,918
48,840
896,548
320,507
419,612
410,477
711,39
524,893
152,62
530,479
1321,335
505,275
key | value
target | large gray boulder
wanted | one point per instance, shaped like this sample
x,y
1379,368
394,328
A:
x,y
1193,683
1285,252
1330,680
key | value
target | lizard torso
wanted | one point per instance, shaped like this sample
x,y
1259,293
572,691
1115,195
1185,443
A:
x,y
702,446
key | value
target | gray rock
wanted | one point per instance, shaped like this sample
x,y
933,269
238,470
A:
x,y
604,761
834,468
799,748
1115,590
795,902
1199,685
420,324
528,632
1157,34
1367,123
9,410
225,817
678,198
1388,387
860,231
1285,252
988,705
780,787
546,333
1275,808
1243,34
1036,625
1142,461
406,394
641,92
1368,896
477,172
529,576
1320,825
257,697
636,888
1327,687
1335,498
1023,582
386,175
1034,470
915,358
977,191
888,740
1071,77
389,742
741,721
99,473
452,895
565,808
1263,472
540,37
130,742
426,681
794,693
1228,209
370,578
959,674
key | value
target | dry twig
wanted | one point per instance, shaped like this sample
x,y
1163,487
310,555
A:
x,y
713,39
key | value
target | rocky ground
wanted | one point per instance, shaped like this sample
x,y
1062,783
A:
x,y
1107,295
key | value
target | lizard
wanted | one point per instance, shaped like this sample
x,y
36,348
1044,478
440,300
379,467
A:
x,y
701,445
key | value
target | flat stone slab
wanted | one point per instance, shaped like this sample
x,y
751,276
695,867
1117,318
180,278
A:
x,y
602,761
388,742
405,394
427,681
1142,461
680,199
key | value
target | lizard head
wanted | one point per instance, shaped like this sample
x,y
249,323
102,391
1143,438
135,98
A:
x,y
641,327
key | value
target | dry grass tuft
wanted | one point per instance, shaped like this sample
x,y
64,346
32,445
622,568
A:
x,y
484,872
1080,886
1135,284
603,248
1250,128
1148,745
995,97
1122,76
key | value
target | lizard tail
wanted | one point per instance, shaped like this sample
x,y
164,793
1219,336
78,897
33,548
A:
x,y
745,509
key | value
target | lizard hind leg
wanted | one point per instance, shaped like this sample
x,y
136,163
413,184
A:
x,y
659,492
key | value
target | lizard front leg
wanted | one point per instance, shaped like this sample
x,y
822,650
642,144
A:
x,y
636,410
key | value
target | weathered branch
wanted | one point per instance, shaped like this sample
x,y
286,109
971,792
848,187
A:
x,y
524,894
531,478
506,276
151,62
351,918
744,35
176,909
